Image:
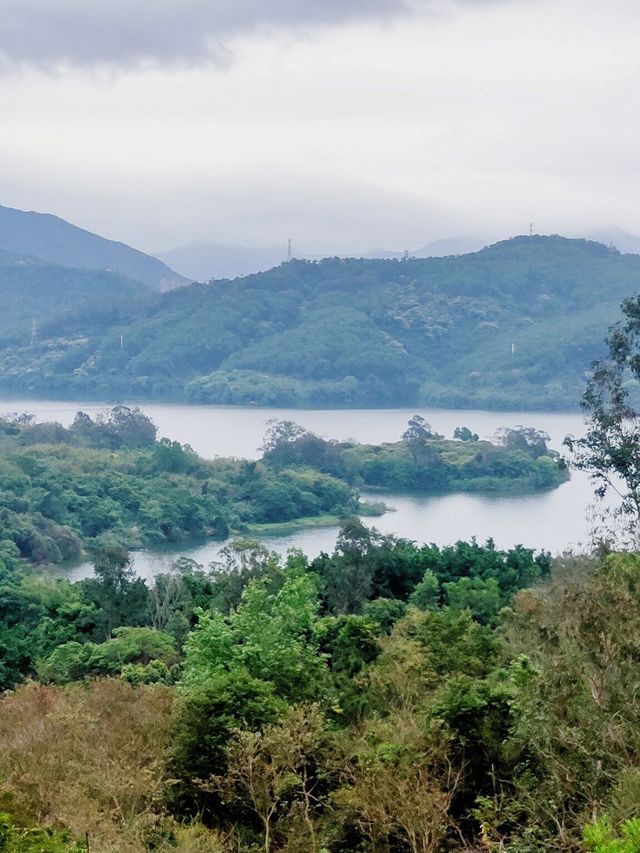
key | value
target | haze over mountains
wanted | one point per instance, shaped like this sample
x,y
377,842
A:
x,y
203,261
48,237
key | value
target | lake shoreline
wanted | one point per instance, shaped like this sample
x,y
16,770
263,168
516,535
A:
x,y
303,407
551,520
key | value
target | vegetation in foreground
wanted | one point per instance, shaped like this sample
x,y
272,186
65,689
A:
x,y
383,698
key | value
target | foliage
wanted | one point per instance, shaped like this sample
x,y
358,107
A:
x,y
601,837
142,655
90,759
267,637
424,461
19,839
608,451
511,326
465,434
577,718
108,480
387,697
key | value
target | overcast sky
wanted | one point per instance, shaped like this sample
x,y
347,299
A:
x,y
344,124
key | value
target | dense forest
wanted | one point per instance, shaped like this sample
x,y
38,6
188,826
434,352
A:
x,y
514,325
383,698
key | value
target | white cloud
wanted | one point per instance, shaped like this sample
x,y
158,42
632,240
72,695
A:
x,y
386,131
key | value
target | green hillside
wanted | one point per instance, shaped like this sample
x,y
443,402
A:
x,y
514,325
35,290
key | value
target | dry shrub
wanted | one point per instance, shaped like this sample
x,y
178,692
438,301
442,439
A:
x,y
91,758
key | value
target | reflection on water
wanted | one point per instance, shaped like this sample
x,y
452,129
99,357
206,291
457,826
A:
x,y
555,520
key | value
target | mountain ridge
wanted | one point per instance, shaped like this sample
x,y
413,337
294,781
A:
x,y
515,325
53,239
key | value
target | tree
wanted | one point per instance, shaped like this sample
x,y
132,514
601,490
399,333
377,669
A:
x,y
610,450
267,637
276,773
528,440
121,596
426,595
129,427
398,786
169,603
121,426
347,576
416,435
465,434
279,437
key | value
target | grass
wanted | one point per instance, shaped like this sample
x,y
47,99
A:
x,y
284,528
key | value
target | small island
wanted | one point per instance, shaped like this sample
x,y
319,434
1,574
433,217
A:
x,y
65,489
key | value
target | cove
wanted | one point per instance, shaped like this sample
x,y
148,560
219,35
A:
x,y
556,521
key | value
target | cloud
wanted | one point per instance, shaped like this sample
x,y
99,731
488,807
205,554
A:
x,y
49,33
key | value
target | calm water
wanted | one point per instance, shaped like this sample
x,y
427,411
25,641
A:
x,y
555,520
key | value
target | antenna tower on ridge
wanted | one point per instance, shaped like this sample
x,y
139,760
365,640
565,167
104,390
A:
x,y
531,229
289,250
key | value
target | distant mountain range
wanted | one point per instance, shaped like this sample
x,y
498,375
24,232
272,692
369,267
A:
x,y
45,236
203,261
628,244
515,325
52,239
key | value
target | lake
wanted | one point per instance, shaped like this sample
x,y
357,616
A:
x,y
556,520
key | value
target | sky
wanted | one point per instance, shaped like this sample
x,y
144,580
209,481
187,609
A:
x,y
342,124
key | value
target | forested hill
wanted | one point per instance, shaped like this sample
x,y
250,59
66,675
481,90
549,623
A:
x,y
37,296
52,239
514,325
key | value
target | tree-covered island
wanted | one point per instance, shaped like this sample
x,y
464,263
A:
x,y
65,488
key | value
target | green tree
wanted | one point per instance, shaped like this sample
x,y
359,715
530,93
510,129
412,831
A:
x,y
465,434
531,441
268,637
610,450
415,437
120,596
426,594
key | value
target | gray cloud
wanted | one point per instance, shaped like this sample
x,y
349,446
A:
x,y
47,33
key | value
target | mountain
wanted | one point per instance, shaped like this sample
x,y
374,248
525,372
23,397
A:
x,y
436,249
37,297
463,245
202,261
515,325
45,236
622,240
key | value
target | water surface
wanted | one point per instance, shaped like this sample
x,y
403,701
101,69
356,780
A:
x,y
556,520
